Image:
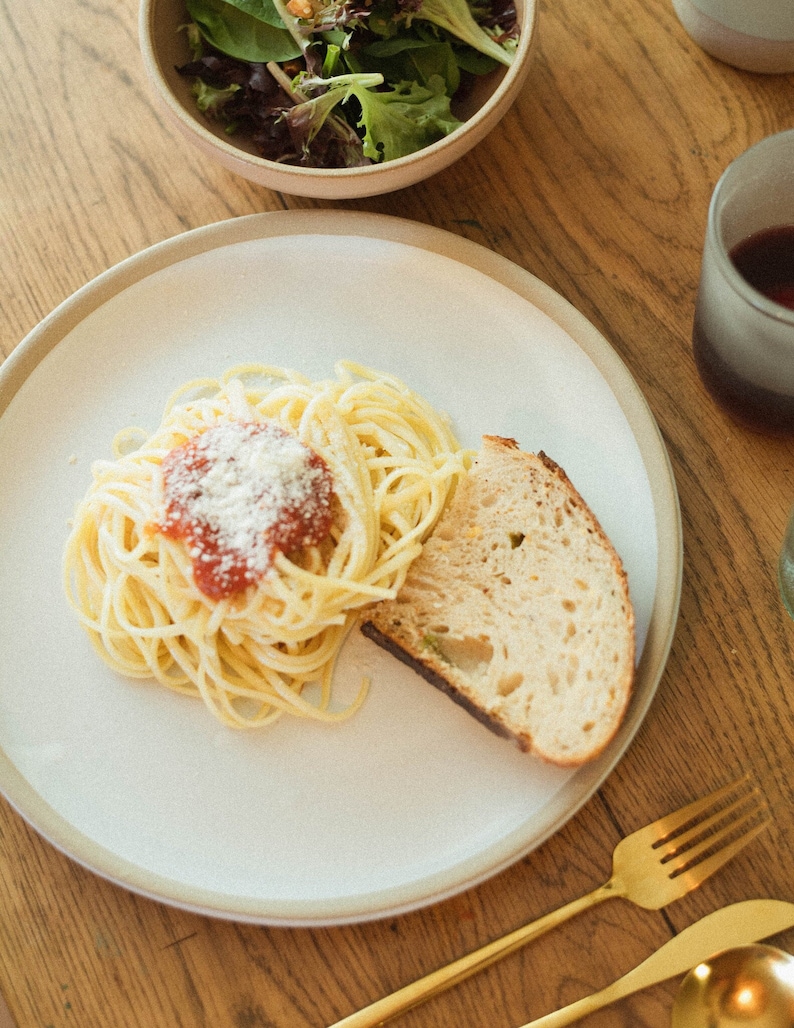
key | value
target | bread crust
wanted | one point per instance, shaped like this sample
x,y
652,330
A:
x,y
430,674
518,608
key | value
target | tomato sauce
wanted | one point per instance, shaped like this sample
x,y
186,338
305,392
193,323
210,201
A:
x,y
237,495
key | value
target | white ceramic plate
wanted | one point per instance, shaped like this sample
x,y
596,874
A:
x,y
303,824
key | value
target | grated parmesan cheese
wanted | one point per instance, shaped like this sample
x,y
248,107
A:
x,y
241,491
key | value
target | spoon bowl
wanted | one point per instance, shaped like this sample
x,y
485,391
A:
x,y
743,987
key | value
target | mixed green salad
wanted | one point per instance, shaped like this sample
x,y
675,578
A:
x,y
342,83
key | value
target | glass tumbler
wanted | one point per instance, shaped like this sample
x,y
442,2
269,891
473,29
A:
x,y
743,341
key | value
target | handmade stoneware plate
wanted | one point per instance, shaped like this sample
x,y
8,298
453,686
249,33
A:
x,y
411,800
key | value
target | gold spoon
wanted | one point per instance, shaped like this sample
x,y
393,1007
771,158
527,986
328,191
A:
x,y
744,987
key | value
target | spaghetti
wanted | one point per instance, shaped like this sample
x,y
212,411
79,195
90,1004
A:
x,y
383,462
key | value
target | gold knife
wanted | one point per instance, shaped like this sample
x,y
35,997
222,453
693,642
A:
x,y
736,925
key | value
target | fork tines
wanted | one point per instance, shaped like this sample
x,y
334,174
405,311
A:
x,y
713,829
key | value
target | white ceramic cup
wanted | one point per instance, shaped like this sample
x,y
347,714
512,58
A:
x,y
756,35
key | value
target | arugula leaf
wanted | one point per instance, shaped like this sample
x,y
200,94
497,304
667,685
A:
x,y
384,19
407,58
390,17
474,61
456,17
240,35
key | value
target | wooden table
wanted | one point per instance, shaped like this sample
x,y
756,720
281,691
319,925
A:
x,y
597,182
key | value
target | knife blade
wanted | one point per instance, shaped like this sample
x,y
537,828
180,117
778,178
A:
x,y
735,925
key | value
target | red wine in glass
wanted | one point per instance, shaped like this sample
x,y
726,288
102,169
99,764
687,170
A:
x,y
765,260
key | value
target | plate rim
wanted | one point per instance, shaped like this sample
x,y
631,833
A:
x,y
396,900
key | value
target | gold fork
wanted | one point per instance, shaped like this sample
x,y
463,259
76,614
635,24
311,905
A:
x,y
652,867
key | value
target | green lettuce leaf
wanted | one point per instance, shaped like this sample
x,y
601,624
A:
x,y
209,99
394,122
408,59
405,119
262,10
238,34
455,16
307,118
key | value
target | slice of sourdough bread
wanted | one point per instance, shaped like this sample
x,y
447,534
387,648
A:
x,y
518,607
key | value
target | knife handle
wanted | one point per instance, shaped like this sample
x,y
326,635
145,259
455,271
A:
x,y
586,1005
658,967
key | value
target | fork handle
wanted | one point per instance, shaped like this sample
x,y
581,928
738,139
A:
x,y
383,1010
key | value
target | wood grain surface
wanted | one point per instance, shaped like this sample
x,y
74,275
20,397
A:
x,y
598,182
